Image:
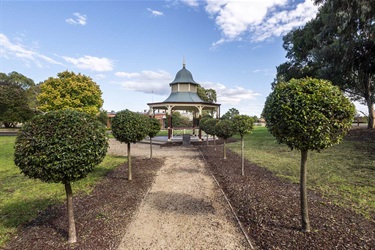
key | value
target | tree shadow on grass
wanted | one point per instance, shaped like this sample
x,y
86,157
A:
x,y
35,213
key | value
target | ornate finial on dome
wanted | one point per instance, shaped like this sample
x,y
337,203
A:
x,y
183,62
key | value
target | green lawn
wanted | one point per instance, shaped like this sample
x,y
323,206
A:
x,y
345,172
22,197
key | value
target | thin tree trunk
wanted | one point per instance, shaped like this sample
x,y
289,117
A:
x,y
303,193
129,163
207,138
225,150
215,142
72,236
150,148
370,103
371,115
242,156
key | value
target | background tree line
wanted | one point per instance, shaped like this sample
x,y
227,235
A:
x,y
17,98
338,45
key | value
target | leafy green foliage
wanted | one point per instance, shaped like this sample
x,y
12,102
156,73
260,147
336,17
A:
x,y
17,93
209,126
243,124
102,117
202,121
337,45
230,114
179,120
18,79
70,91
154,127
224,129
13,105
22,198
130,127
308,114
60,146
207,95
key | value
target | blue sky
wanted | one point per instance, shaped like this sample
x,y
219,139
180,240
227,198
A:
x,y
133,49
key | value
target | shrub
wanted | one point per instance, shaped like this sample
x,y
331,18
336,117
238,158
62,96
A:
x,y
62,147
224,129
129,127
308,114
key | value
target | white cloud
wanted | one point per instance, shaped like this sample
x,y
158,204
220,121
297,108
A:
x,y
192,3
147,81
127,75
282,22
78,19
259,19
99,76
155,12
232,96
91,62
9,49
157,82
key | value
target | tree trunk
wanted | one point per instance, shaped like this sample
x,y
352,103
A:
x,y
207,138
303,193
215,142
369,102
242,156
150,148
72,236
200,132
225,150
371,115
129,163
169,127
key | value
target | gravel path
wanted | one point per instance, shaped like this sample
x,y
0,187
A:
x,y
184,208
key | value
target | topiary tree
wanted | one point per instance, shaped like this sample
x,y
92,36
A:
x,y
224,130
308,114
62,147
209,128
242,124
202,125
154,128
129,127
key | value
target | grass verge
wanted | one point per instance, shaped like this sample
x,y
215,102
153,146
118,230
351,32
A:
x,y
21,197
344,173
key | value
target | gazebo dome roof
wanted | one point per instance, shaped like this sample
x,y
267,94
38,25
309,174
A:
x,y
183,76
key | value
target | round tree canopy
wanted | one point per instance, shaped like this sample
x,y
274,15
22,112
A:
x,y
128,126
224,129
308,114
154,127
60,146
243,124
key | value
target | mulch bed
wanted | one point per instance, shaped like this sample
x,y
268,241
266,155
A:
x,y
101,217
268,207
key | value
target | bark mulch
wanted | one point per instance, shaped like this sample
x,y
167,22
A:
x,y
269,209
101,217
266,205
